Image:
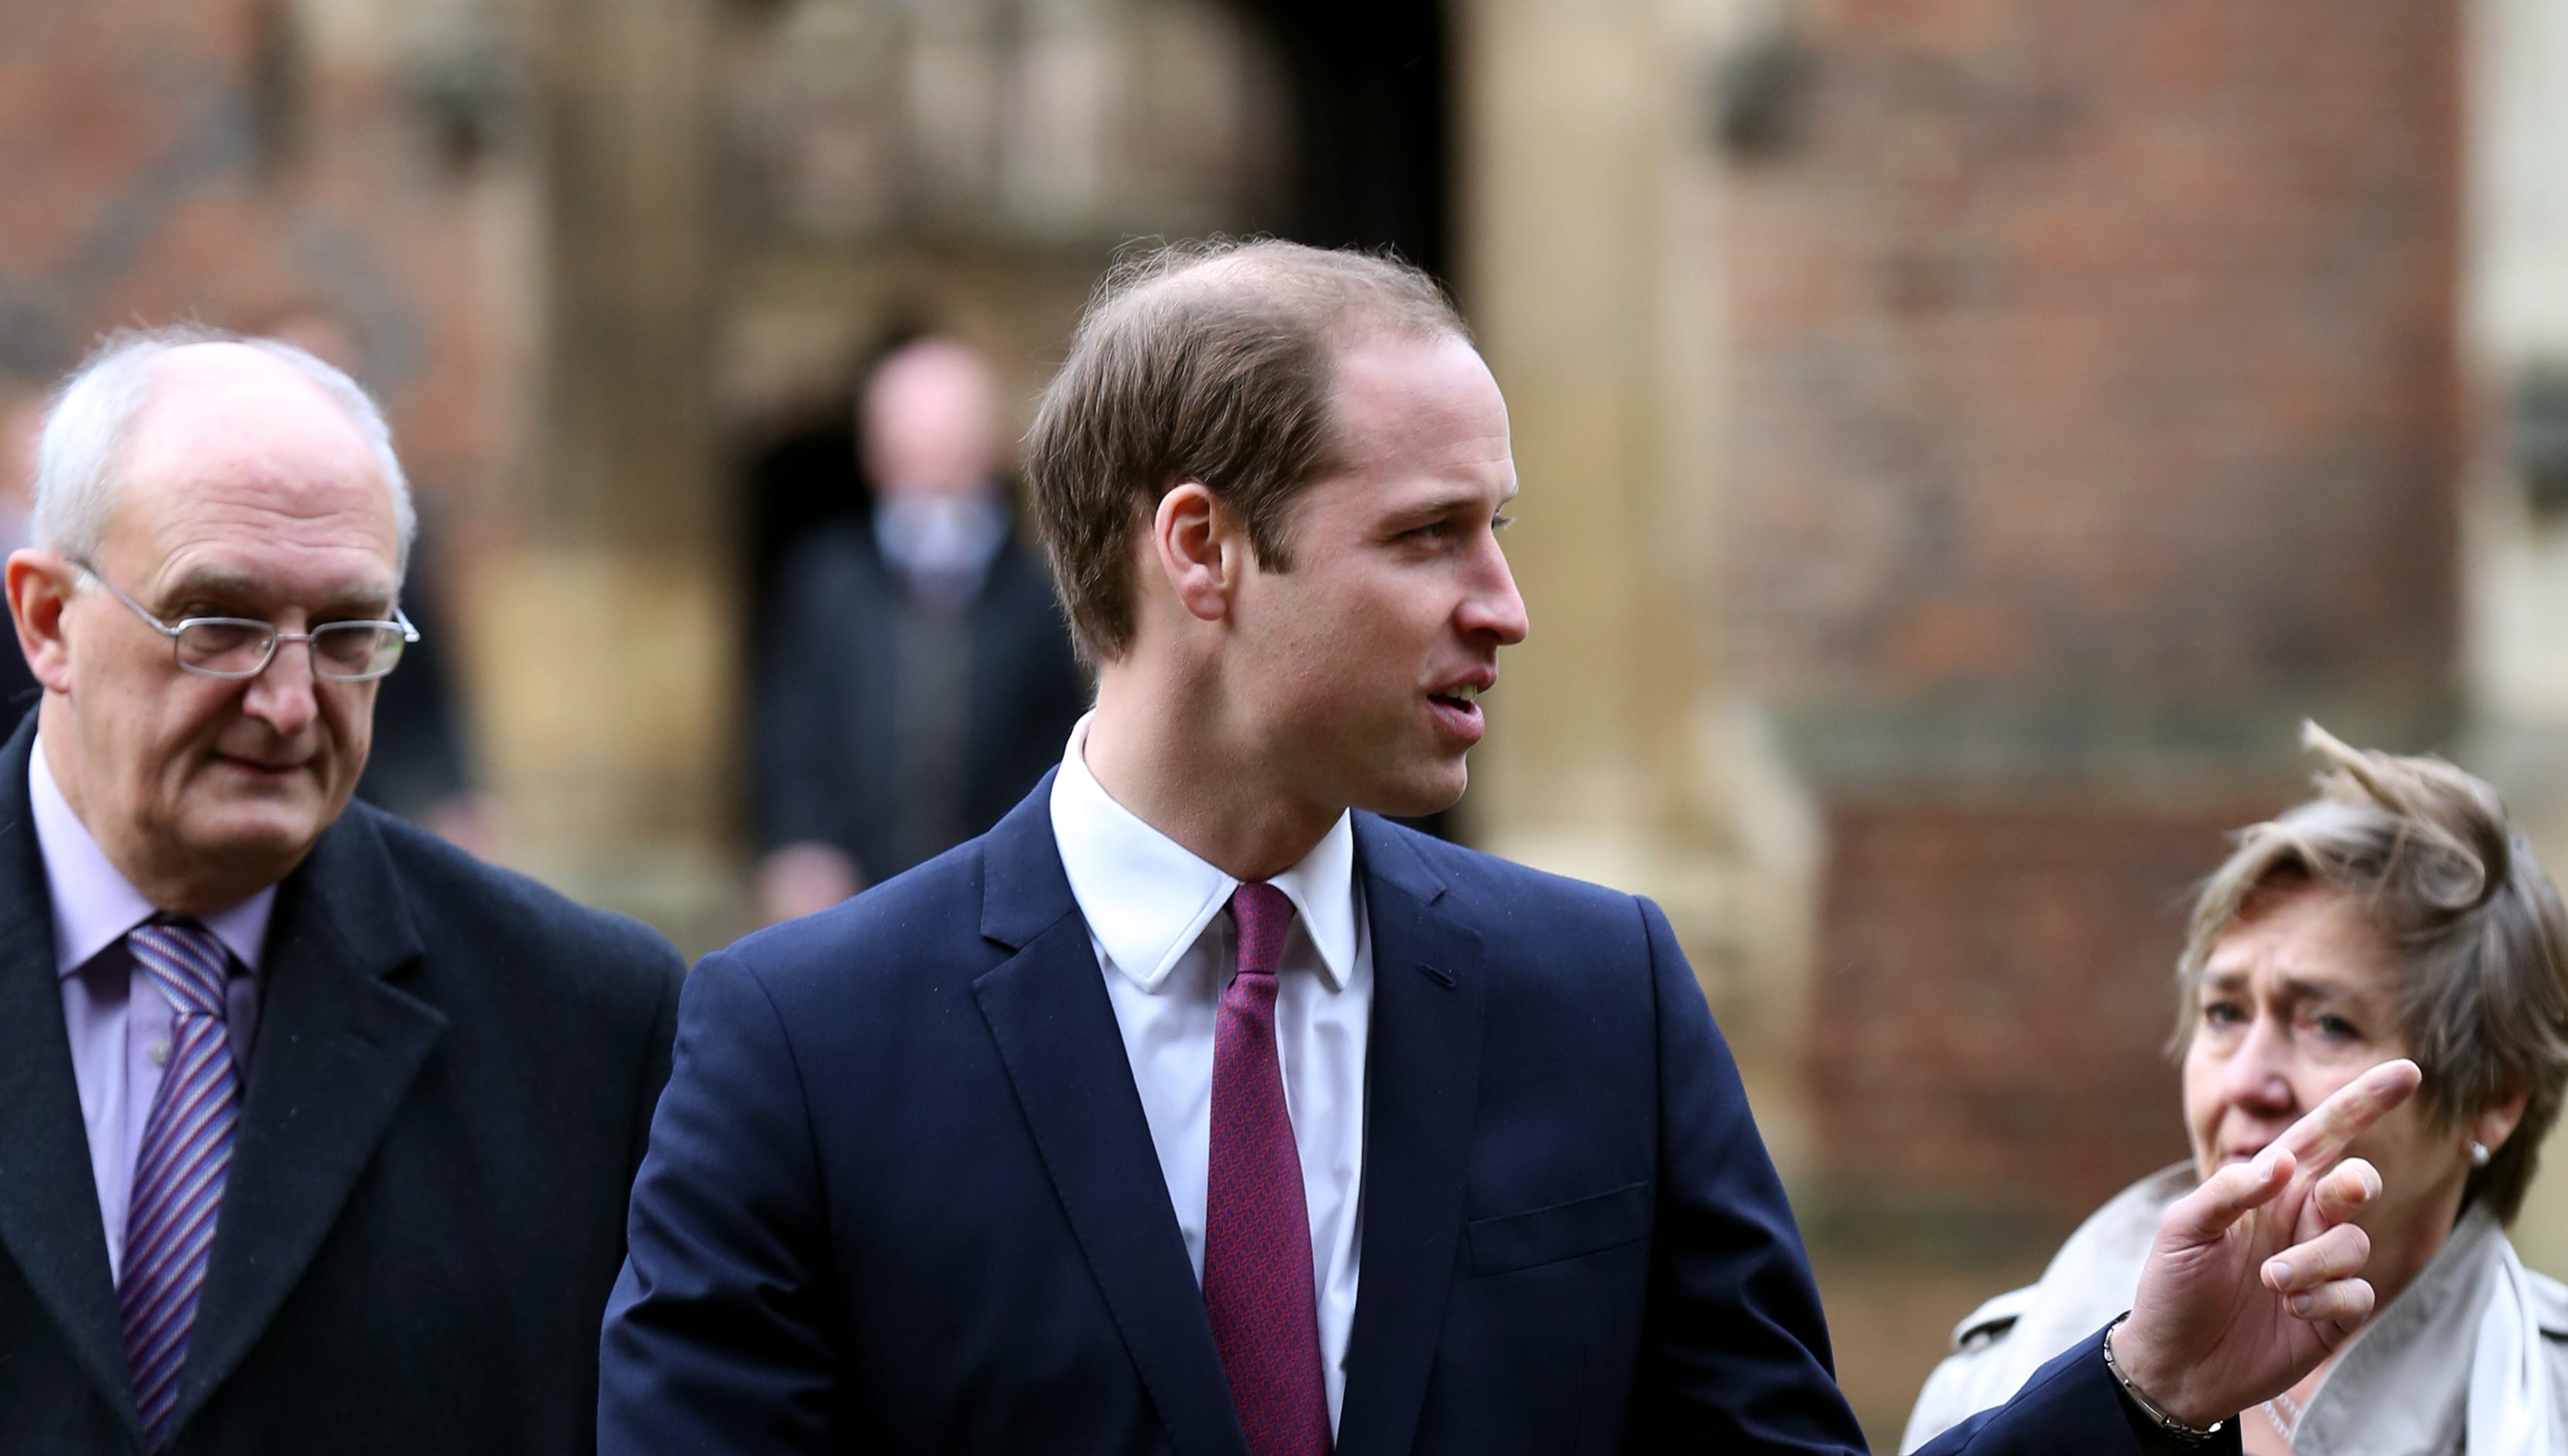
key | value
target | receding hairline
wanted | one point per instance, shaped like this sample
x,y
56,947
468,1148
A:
x,y
226,366
1356,303
235,364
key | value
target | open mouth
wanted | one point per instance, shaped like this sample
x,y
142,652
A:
x,y
1457,710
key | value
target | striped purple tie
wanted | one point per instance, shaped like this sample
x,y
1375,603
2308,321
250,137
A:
x,y
178,1174
1257,1277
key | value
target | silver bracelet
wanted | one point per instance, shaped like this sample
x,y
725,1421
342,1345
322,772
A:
x,y
2168,1427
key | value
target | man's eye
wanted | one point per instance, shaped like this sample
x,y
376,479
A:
x,y
1501,522
1432,532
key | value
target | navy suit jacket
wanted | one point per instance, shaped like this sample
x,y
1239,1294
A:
x,y
899,1196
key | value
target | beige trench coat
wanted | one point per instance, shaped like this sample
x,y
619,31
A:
x,y
2399,1388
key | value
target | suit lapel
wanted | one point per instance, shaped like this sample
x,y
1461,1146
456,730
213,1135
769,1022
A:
x,y
1423,1068
49,1215
1048,1010
338,1044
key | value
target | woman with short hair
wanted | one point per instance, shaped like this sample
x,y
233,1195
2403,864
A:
x,y
2396,914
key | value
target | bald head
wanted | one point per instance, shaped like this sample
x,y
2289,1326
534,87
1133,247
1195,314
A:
x,y
931,421
202,386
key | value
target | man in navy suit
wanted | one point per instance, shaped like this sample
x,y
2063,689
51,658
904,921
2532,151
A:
x,y
1196,1108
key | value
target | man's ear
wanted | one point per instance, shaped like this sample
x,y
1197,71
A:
x,y
1198,550
39,587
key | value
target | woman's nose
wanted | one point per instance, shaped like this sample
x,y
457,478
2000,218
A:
x,y
2257,1075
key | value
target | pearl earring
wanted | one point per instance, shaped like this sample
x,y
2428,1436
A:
x,y
2478,1154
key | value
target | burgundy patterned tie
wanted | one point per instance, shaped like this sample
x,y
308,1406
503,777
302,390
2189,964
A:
x,y
178,1174
1257,1278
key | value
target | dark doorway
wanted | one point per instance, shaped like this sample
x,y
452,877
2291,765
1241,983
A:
x,y
1369,94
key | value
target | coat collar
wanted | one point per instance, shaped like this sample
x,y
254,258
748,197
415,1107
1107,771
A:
x,y
339,1042
1048,1010
49,1222
1423,1068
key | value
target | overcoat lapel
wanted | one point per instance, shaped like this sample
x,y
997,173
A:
x,y
338,1044
1423,1071
1048,1010
49,1216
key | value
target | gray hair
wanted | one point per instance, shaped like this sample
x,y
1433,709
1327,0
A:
x,y
80,457
2477,927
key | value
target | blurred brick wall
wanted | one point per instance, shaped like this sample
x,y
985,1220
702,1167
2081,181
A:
x,y
2103,342
2096,415
228,160
2011,961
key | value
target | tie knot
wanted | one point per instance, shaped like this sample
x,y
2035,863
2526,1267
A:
x,y
1263,914
188,962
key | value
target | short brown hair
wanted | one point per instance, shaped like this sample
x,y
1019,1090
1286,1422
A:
x,y
2477,927
1208,361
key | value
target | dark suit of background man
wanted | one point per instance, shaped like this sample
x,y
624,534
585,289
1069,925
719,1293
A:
x,y
1189,1110
315,1133
917,680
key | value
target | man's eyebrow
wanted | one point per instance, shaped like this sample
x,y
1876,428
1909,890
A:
x,y
217,584
214,583
1444,504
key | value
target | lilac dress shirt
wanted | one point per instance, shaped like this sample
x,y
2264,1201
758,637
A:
x,y
116,1016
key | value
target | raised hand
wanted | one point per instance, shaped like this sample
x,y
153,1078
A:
x,y
2257,1274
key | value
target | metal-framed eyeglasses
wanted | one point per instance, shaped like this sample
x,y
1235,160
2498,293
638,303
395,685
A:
x,y
242,646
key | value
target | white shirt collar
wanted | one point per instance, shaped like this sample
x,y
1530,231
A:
x,y
1148,898
95,905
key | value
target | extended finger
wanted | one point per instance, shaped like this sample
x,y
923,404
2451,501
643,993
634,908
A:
x,y
2343,1305
2206,1212
2319,1138
2338,1254
2348,1189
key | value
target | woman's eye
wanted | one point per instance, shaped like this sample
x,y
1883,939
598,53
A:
x,y
2222,1013
2338,1028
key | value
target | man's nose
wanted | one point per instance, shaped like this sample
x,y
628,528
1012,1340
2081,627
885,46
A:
x,y
282,695
1494,607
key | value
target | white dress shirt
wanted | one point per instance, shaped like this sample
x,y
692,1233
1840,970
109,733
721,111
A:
x,y
1156,919
117,1014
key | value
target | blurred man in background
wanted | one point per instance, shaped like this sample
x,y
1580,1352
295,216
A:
x,y
315,1133
919,678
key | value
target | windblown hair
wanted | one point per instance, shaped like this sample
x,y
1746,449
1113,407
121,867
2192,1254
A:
x,y
80,459
2477,927
1208,361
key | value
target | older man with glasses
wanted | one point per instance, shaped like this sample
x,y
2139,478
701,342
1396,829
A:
x,y
315,1133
